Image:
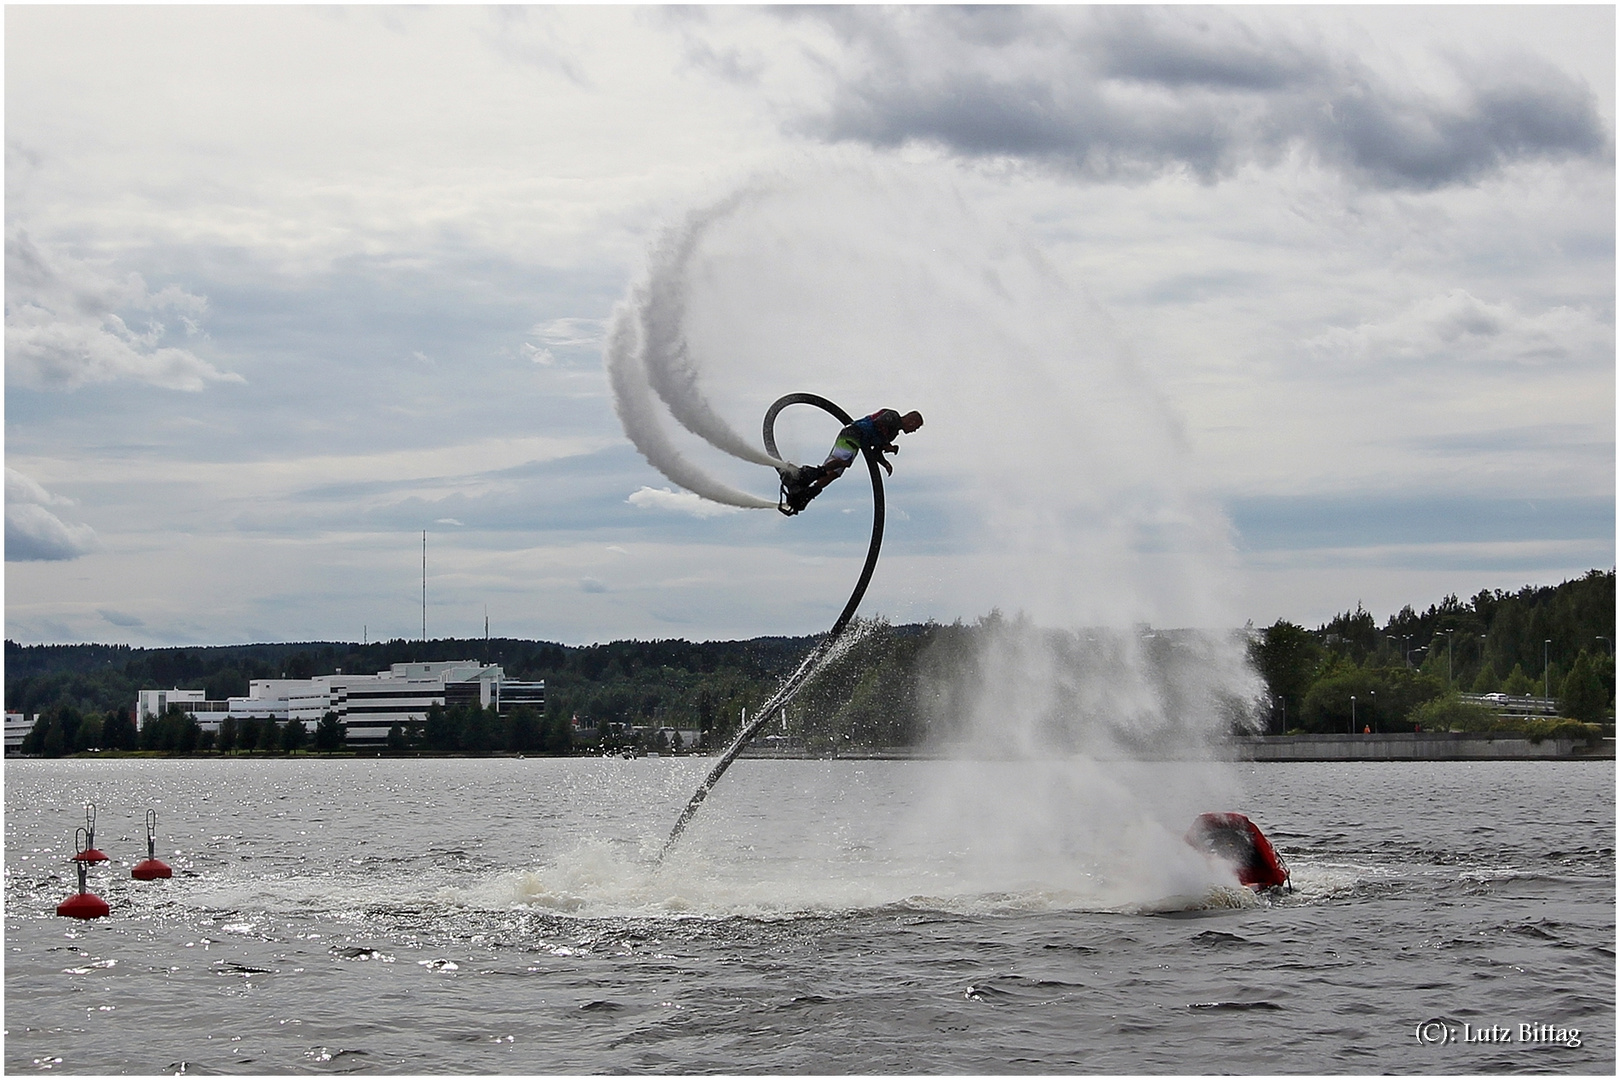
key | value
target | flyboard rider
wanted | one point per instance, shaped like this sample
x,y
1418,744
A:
x,y
876,432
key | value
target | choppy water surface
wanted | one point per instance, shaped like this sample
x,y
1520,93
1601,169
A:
x,y
826,917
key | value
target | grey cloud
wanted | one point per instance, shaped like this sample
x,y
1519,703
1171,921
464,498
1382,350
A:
x,y
64,330
1122,92
119,618
1197,51
35,534
1411,142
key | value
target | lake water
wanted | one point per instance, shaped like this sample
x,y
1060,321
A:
x,y
507,916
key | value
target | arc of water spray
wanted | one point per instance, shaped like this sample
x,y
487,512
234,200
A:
x,y
796,681
647,355
638,413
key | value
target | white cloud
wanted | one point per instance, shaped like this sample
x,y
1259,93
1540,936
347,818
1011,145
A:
x,y
572,332
681,502
33,533
289,475
64,330
1457,328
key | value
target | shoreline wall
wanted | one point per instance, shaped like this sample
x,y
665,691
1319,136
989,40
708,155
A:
x,y
1414,746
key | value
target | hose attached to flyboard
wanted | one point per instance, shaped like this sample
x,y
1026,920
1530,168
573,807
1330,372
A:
x,y
797,679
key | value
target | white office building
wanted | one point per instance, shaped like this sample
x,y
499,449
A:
x,y
367,704
18,725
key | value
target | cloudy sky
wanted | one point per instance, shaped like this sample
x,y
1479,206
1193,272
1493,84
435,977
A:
x,y
1217,315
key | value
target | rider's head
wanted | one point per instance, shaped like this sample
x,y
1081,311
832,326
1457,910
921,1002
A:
x,y
911,421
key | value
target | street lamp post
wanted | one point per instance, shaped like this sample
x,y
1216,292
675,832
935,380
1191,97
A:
x,y
1546,672
1449,680
1373,706
1352,714
1600,637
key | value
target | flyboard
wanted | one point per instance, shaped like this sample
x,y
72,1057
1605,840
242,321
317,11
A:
x,y
797,680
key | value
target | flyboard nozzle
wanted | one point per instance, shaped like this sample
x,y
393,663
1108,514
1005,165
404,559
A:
x,y
151,868
89,852
82,904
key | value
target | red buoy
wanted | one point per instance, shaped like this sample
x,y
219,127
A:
x,y
82,904
151,867
89,852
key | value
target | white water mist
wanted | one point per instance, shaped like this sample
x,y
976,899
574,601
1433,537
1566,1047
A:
x,y
649,361
1056,481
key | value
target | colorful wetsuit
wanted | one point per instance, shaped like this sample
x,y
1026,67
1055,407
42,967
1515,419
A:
x,y
876,432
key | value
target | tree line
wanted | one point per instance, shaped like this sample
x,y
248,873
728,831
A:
x,y
1548,641
886,686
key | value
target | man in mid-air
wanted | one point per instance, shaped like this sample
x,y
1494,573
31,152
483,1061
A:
x,y
876,433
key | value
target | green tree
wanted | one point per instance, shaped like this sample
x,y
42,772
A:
x,y
89,735
477,730
175,732
49,736
247,734
293,736
1583,695
396,739
1517,683
526,733
152,730
1450,713
442,730
269,735
1353,632
330,732
1328,708
559,735
118,730
1287,657
227,735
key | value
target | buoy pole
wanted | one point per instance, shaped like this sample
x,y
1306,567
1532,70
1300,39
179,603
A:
x,y
89,853
152,867
82,904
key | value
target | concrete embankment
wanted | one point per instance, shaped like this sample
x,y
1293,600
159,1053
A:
x,y
1412,746
1415,746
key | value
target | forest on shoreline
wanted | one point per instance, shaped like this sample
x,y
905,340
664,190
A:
x,y
892,685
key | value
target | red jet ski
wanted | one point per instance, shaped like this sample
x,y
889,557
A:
x,y
1239,841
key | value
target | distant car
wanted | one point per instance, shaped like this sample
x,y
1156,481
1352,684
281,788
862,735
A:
x,y
1495,697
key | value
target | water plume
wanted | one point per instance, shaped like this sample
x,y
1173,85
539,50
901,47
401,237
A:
x,y
647,354
1052,480
637,408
